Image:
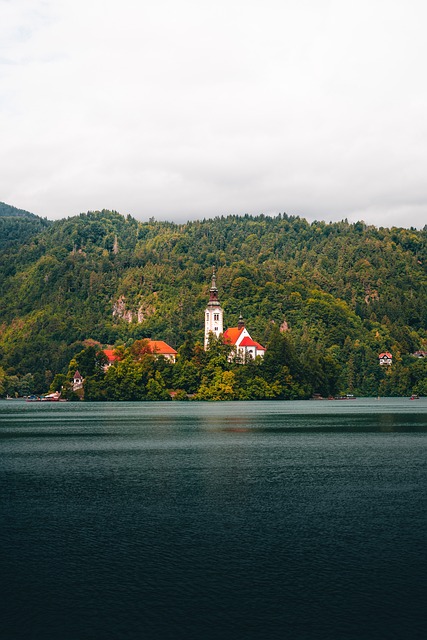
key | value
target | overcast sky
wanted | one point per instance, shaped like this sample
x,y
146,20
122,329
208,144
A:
x,y
183,109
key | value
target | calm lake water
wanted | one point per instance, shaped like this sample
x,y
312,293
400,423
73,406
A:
x,y
264,520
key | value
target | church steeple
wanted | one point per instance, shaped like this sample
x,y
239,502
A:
x,y
213,312
213,291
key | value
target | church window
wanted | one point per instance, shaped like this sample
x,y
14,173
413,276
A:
x,y
216,317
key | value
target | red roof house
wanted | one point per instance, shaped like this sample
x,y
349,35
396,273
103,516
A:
x,y
111,357
156,347
385,358
160,348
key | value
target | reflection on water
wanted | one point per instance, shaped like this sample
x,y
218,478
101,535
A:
x,y
331,424
227,520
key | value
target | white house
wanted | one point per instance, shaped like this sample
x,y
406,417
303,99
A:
x,y
420,354
385,358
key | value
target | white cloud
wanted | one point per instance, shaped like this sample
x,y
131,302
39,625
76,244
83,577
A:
x,y
193,109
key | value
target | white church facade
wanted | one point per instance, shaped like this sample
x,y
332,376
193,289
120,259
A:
x,y
238,337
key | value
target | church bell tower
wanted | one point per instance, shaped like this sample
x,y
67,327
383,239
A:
x,y
213,313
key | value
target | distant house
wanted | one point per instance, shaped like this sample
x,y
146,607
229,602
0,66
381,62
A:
x,y
385,358
111,358
420,354
155,347
77,381
160,348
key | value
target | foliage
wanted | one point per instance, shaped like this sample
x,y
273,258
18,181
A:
x,y
341,292
8,211
18,226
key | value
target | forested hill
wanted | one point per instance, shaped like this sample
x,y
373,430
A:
x,y
18,226
9,211
345,291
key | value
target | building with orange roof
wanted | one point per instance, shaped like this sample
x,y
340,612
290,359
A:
x,y
161,348
111,355
111,358
156,347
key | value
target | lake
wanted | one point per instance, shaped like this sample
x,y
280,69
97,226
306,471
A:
x,y
264,520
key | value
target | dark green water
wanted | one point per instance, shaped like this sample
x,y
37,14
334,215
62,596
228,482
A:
x,y
227,520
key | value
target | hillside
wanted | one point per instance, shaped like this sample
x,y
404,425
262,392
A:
x,y
345,291
7,210
18,226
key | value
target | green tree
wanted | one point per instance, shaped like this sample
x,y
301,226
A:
x,y
58,383
220,387
2,382
156,388
124,381
186,376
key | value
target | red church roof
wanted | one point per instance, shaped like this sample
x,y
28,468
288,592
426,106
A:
x,y
386,354
248,342
232,334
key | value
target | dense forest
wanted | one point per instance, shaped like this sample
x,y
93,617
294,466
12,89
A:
x,y
325,299
17,226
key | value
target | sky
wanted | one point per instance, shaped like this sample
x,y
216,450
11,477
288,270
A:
x,y
188,109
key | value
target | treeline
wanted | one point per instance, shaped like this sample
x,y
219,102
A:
x,y
7,210
341,293
217,374
285,373
18,226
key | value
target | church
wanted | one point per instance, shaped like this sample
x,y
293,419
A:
x,y
238,337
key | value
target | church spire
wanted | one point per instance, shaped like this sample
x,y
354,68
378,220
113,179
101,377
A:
x,y
213,291
241,322
213,312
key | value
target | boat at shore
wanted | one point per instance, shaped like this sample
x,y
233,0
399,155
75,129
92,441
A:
x,y
414,397
348,396
53,397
